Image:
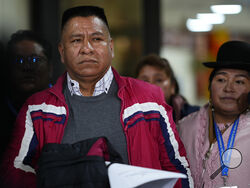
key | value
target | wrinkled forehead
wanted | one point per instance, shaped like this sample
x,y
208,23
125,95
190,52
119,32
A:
x,y
80,24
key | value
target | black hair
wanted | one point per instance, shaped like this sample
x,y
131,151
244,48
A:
x,y
83,11
212,74
21,35
162,63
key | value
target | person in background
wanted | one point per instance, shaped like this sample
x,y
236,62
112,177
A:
x,y
224,123
156,70
91,99
27,70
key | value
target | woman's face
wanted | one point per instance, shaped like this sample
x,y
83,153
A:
x,y
156,76
229,89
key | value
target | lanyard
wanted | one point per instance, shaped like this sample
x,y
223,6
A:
x,y
230,143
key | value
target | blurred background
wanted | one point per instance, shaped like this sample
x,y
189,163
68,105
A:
x,y
178,30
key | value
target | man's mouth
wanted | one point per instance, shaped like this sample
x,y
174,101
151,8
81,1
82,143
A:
x,y
88,61
28,79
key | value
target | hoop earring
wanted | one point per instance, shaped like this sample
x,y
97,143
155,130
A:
x,y
211,105
248,109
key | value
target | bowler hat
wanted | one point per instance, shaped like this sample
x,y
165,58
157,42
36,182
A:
x,y
232,54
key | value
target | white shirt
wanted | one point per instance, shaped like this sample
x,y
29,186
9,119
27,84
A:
x,y
101,86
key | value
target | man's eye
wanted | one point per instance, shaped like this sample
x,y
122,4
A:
x,y
97,39
35,59
19,60
76,40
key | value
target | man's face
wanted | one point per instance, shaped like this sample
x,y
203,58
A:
x,y
229,89
30,70
86,48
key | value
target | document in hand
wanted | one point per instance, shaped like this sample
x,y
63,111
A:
x,y
128,176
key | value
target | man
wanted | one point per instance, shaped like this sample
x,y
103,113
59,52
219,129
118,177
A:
x,y
91,99
28,70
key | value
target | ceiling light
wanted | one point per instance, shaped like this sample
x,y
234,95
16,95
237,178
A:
x,y
226,9
211,18
197,25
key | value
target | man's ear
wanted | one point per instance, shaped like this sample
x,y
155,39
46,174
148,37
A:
x,y
112,47
61,51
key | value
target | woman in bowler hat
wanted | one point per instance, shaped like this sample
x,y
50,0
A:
x,y
217,137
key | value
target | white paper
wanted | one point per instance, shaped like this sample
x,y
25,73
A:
x,y
128,176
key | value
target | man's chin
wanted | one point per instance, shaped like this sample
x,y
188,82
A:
x,y
90,74
27,87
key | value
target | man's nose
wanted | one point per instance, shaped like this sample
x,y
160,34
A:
x,y
28,67
86,47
